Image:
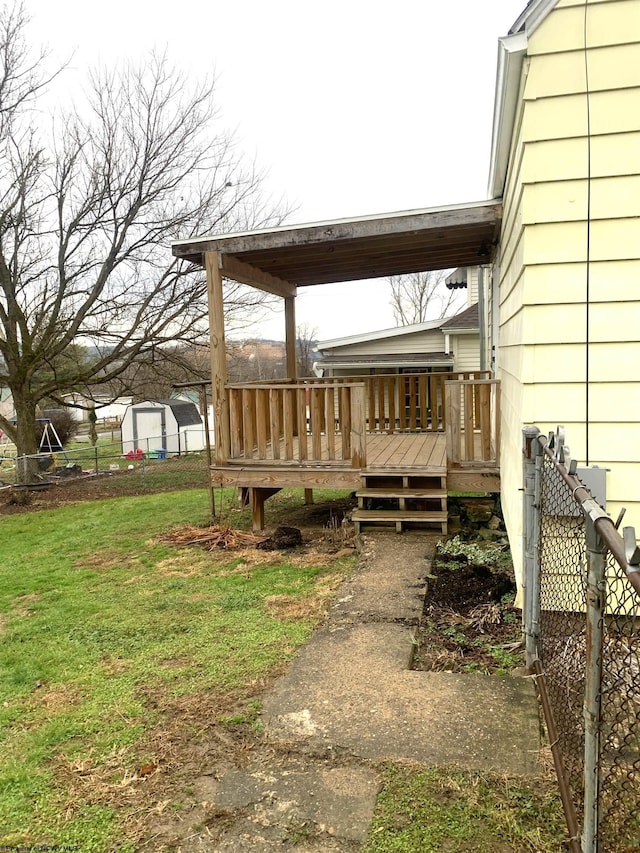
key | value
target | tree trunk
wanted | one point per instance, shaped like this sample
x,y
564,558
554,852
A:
x,y
26,437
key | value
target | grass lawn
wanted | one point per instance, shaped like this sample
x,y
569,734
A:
x,y
106,630
430,809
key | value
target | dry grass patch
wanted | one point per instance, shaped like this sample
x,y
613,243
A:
x,y
288,607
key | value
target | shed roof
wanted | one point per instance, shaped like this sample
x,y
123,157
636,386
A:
x,y
364,247
185,413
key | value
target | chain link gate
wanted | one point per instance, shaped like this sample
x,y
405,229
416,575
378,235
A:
x,y
582,632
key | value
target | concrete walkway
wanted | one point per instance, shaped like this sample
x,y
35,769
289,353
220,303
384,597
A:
x,y
349,701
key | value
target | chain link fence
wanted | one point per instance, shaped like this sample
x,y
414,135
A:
x,y
582,630
106,468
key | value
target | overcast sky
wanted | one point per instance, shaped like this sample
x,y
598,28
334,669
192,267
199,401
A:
x,y
353,106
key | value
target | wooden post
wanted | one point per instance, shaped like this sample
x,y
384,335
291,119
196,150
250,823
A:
x,y
452,409
358,430
290,336
257,509
218,359
207,443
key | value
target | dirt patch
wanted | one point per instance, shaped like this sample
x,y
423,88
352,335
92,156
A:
x,y
21,606
107,485
469,623
288,607
152,788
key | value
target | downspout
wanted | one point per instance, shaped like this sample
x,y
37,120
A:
x,y
481,323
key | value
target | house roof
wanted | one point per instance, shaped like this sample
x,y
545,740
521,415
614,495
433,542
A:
x,y
359,248
380,334
390,360
467,320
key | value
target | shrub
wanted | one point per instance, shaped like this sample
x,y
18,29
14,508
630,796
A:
x,y
63,423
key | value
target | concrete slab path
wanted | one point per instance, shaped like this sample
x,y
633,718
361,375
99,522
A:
x,y
349,700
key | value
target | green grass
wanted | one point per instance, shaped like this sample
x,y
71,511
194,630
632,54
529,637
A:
x,y
432,810
102,627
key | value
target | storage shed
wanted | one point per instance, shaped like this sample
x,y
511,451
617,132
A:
x,y
173,426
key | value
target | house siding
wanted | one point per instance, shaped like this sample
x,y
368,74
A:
x,y
416,342
466,352
543,250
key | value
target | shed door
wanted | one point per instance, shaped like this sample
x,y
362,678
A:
x,y
150,429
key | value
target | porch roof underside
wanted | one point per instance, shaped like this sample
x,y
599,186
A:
x,y
351,249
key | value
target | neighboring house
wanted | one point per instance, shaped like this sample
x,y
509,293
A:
x,y
404,349
106,408
435,346
565,305
444,345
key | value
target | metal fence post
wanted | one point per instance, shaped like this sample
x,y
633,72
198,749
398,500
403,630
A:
x,y
596,593
529,542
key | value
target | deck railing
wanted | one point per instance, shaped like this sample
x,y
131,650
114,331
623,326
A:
x,y
472,412
294,422
402,402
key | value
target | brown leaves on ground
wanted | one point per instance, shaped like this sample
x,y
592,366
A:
x,y
211,538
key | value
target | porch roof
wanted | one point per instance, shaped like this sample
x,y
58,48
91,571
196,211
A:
x,y
351,249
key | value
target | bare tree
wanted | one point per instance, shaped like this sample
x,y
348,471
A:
x,y
21,73
88,287
421,296
306,343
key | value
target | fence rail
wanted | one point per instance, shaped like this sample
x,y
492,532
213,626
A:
x,y
405,402
323,423
582,630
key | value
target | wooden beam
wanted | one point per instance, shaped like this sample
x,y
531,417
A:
x,y
279,477
473,481
457,216
218,360
253,276
290,337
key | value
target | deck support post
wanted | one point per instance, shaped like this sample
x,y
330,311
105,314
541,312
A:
x,y
290,337
218,359
308,496
257,497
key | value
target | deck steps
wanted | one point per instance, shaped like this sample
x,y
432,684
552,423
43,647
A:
x,y
401,493
402,498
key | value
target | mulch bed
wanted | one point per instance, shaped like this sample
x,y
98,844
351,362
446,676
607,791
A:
x,y
469,623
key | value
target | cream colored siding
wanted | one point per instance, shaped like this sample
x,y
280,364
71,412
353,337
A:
x,y
466,352
543,250
417,342
472,285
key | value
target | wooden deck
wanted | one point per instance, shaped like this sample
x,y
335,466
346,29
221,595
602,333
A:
x,y
401,443
406,452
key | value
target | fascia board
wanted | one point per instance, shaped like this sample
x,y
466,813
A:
x,y
511,52
531,18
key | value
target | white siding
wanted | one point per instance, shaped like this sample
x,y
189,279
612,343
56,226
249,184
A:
x,y
417,342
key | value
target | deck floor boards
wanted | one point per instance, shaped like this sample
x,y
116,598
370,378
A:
x,y
404,451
